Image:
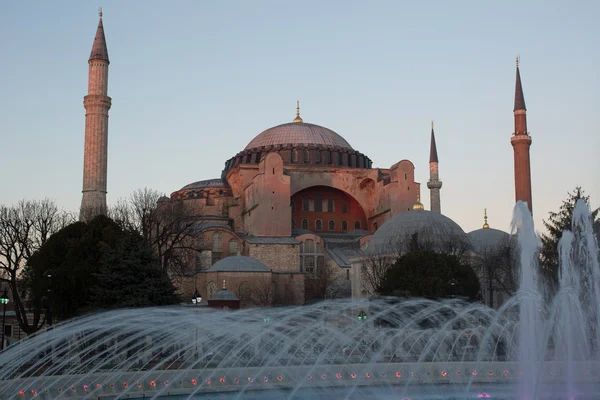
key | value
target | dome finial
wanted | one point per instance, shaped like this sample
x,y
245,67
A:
x,y
224,287
431,124
418,205
485,224
517,61
100,11
298,119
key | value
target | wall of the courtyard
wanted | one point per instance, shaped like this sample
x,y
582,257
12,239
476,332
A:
x,y
279,257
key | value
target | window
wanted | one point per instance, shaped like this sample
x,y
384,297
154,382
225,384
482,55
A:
x,y
293,223
304,224
294,156
405,176
311,257
332,225
211,289
217,247
356,224
306,157
345,208
330,205
344,226
245,292
234,248
293,206
305,204
318,157
327,157
318,202
319,225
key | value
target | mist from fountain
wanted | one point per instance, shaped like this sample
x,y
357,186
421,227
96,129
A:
x,y
405,348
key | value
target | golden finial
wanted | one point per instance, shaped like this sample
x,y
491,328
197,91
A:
x,y
485,224
298,119
431,124
224,284
418,205
517,61
100,11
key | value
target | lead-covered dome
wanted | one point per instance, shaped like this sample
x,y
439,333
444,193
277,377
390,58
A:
x,y
433,230
488,239
238,264
298,133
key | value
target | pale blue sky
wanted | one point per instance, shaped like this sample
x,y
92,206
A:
x,y
192,82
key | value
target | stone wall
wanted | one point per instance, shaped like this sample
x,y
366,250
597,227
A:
x,y
279,257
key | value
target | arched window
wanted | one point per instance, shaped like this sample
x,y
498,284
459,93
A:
x,y
356,224
305,224
294,156
293,223
293,206
332,225
344,226
318,157
319,225
345,208
234,248
327,157
318,202
217,247
211,289
305,204
306,157
311,257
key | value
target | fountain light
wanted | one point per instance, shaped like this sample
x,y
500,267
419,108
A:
x,y
505,372
85,388
98,386
153,383
484,396
280,378
73,389
208,381
33,392
236,380
139,384
194,382
21,393
323,376
444,373
250,379
490,373
222,380
166,383
398,375
266,379
338,375
474,373
125,385
458,372
368,375
353,376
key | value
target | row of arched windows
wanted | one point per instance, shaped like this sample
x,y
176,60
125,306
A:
x,y
319,225
318,205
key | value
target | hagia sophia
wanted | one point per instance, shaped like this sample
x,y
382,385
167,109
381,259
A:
x,y
296,201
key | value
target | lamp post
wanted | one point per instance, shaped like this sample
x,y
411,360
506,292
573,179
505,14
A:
x,y
197,298
452,283
49,274
362,316
4,301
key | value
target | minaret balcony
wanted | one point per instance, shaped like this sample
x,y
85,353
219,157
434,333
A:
x,y
434,184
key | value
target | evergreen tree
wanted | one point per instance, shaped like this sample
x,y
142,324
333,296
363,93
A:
x,y
557,222
431,275
130,276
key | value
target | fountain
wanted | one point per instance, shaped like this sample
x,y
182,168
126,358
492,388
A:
x,y
378,348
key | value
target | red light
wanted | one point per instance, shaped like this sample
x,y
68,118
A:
x,y
208,381
398,375
166,383
505,372
323,376
194,382
280,378
353,376
222,380
474,373
139,384
21,393
458,372
309,378
125,385
99,386
368,375
338,375
153,383
85,388
33,392
236,380
490,373
444,373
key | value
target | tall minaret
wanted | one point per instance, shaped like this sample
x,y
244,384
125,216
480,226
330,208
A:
x,y
434,184
96,103
521,142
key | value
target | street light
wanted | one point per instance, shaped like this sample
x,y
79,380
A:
x,y
49,274
197,299
452,283
362,316
4,301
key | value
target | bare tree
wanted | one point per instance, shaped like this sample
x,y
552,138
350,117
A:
x,y
24,228
373,269
164,227
316,284
262,292
498,269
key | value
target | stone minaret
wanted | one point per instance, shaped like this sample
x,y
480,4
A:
x,y
96,103
521,142
434,184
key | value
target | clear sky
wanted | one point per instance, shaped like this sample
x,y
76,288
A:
x,y
192,82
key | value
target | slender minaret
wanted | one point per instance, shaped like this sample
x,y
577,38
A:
x,y
521,142
96,103
434,184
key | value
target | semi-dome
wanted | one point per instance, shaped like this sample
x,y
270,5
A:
x,y
486,239
238,264
298,133
432,228
209,183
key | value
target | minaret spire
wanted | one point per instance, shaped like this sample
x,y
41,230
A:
x,y
521,141
96,103
434,184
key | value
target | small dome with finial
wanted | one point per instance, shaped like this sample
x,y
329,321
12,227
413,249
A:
x,y
298,119
486,239
485,224
418,205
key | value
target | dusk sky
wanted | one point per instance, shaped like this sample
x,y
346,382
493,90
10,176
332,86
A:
x,y
192,82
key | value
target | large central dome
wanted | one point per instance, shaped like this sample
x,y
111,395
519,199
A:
x,y
298,133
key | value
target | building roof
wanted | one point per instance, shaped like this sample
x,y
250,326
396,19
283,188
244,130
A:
x,y
224,294
519,98
238,264
433,156
208,183
394,235
486,239
268,239
99,49
296,133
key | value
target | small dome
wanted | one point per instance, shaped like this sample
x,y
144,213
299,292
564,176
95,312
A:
x,y
238,264
485,239
224,294
395,234
163,199
209,183
298,133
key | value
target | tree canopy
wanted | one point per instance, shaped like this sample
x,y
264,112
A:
x,y
96,265
431,275
558,222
